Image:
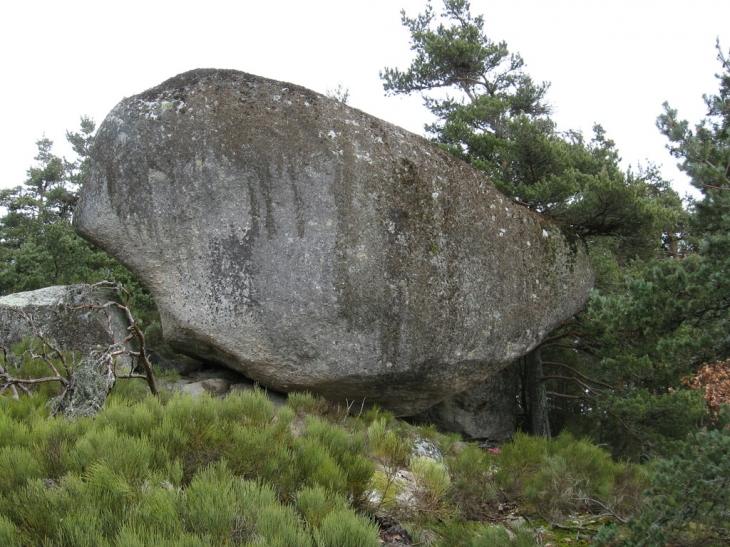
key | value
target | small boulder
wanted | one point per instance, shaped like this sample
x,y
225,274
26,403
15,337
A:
x,y
69,315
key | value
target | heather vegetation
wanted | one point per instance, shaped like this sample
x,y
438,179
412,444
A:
x,y
238,471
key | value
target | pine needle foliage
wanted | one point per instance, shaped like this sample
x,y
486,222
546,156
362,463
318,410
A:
x,y
559,476
343,527
179,471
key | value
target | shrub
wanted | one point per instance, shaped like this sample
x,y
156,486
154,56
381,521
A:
x,y
689,498
130,457
279,526
304,403
348,450
457,534
156,511
316,467
208,504
556,477
472,483
17,467
343,528
433,482
9,536
315,503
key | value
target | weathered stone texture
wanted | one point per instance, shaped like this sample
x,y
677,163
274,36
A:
x,y
487,411
64,315
311,246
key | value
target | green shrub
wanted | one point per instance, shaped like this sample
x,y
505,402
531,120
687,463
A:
x,y
375,413
472,484
9,536
315,503
86,529
132,536
433,482
348,450
54,438
156,511
316,466
343,528
208,504
460,534
251,407
196,430
391,447
130,457
36,510
689,498
261,450
556,477
304,403
17,467
279,526
135,420
26,409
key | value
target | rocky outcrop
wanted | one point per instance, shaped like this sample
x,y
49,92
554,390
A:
x,y
313,247
64,314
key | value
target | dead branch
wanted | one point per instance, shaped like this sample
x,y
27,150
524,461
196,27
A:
x,y
566,396
50,351
134,330
13,383
611,512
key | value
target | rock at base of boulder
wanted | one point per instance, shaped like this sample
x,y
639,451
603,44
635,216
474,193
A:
x,y
485,412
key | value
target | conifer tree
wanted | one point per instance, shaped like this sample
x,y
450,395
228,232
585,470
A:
x,y
491,114
38,246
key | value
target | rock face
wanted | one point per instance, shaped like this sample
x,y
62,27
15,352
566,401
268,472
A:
x,y
487,411
60,313
311,246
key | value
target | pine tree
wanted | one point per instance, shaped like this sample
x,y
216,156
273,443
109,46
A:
x,y
491,114
38,246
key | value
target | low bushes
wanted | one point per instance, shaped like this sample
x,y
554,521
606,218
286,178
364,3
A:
x,y
181,472
176,470
558,477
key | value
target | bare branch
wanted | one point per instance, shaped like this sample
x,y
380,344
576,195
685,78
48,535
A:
x,y
574,380
563,365
49,351
565,396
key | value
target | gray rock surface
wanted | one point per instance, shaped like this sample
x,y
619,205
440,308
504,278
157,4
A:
x,y
61,314
89,385
487,411
313,247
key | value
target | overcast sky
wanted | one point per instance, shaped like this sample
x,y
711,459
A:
x,y
612,62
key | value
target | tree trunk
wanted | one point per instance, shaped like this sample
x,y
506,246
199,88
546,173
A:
x,y
534,387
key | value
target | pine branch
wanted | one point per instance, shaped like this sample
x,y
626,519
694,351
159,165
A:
x,y
563,365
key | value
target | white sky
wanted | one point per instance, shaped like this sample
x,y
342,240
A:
x,y
612,62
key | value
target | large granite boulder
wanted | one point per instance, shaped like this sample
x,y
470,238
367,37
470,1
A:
x,y
311,246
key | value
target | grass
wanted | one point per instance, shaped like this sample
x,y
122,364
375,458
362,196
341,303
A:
x,y
237,471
